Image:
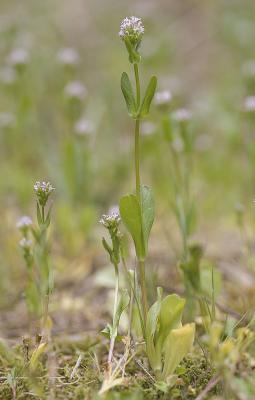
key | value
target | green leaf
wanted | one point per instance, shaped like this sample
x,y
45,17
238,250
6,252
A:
x,y
149,94
107,331
134,56
151,327
128,94
39,217
138,219
170,318
148,213
178,344
107,247
208,287
34,360
122,305
131,216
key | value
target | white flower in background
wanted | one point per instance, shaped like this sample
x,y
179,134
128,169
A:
x,y
147,129
249,103
24,222
8,75
131,28
75,90
83,127
248,68
6,119
182,115
25,243
68,56
163,98
43,190
18,57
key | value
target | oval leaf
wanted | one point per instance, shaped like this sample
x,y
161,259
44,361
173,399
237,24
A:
x,y
148,213
128,94
149,94
130,213
178,344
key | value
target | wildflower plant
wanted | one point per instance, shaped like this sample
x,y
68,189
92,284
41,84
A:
x,y
36,255
43,191
24,225
167,342
137,210
121,299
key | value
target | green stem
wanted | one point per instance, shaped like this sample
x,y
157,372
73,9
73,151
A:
x,y
112,341
137,159
141,264
132,287
137,83
45,317
43,214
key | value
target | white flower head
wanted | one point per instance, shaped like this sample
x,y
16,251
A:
x,y
18,57
183,115
163,98
111,221
24,223
75,90
147,128
83,127
133,29
248,68
249,104
25,243
43,190
68,56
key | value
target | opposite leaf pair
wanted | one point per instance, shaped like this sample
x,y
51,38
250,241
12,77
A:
x,y
134,110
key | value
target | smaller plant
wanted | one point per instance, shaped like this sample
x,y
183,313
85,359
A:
x,y
32,295
36,256
121,299
167,341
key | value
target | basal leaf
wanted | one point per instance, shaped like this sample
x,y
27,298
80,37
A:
x,y
122,305
151,327
149,94
128,94
178,344
36,355
170,317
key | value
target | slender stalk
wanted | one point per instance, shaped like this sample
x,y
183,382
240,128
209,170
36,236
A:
x,y
45,316
112,341
137,83
141,266
137,159
43,214
137,133
141,263
134,294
